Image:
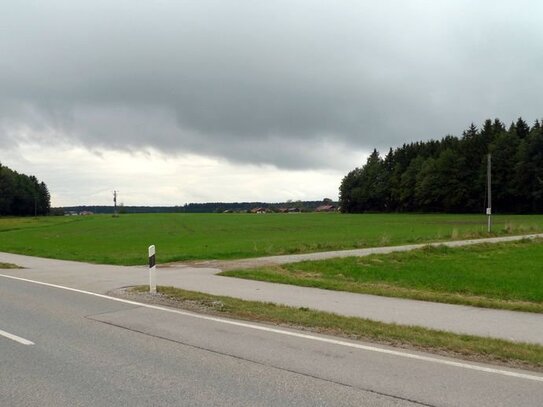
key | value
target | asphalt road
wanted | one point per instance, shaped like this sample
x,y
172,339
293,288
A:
x,y
508,325
94,351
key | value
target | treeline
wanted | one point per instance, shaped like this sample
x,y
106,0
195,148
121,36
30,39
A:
x,y
217,207
108,209
22,195
449,175
208,207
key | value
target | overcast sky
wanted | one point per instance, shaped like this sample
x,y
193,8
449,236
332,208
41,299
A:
x,y
238,100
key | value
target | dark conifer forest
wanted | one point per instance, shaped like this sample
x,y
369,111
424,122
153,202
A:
x,y
449,175
22,195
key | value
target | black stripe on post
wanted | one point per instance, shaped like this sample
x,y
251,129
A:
x,y
152,261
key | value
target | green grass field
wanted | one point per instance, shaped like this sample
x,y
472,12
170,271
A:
x,y
504,275
124,240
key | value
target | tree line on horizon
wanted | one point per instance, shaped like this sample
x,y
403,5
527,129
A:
x,y
22,195
207,207
449,175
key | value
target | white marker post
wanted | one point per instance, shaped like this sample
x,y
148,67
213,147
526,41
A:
x,y
152,269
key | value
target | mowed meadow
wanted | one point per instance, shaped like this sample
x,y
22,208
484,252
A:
x,y
178,237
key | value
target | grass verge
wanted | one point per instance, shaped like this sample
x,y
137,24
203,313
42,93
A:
x,y
502,275
512,354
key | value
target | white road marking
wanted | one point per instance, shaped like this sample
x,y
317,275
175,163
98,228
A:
x,y
16,338
297,334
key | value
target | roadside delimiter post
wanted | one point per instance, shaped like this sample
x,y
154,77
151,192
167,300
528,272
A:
x,y
152,269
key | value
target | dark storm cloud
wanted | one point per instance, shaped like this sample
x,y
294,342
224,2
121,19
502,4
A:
x,y
297,84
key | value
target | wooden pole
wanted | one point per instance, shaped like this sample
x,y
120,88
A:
x,y
489,191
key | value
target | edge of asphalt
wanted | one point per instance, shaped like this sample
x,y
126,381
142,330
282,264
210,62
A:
x,y
509,325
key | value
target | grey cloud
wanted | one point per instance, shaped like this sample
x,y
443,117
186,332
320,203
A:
x,y
297,84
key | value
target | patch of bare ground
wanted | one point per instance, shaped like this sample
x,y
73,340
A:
x,y
9,266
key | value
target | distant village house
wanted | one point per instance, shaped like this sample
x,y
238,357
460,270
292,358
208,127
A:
x,y
260,210
326,208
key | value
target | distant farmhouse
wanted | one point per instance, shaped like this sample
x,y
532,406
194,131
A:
x,y
76,213
260,210
326,208
293,210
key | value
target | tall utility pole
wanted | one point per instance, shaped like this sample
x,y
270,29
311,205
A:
x,y
489,191
115,204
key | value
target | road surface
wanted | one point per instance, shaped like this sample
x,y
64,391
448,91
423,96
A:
x,y
508,325
83,349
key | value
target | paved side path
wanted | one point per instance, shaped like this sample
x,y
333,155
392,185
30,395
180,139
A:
x,y
293,258
516,326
